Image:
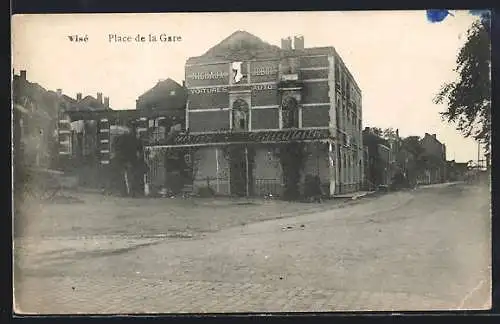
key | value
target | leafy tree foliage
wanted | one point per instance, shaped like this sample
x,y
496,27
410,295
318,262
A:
x,y
377,131
411,157
469,98
389,134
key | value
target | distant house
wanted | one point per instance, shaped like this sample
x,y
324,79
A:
x,y
167,96
164,106
78,131
378,167
83,134
35,119
435,156
87,103
456,171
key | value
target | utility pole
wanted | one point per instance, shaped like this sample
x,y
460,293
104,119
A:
x,y
217,167
478,153
246,173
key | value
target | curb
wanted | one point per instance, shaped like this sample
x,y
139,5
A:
x,y
439,185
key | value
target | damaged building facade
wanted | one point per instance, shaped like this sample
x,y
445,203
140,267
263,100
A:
x,y
261,119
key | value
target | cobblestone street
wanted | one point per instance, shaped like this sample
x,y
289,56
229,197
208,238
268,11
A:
x,y
427,249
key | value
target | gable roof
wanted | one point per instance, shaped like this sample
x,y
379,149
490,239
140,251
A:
x,y
430,137
240,45
24,91
87,103
160,96
160,86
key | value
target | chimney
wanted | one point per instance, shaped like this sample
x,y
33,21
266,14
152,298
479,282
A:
x,y
183,83
23,75
434,135
298,42
106,102
286,44
59,92
99,97
78,96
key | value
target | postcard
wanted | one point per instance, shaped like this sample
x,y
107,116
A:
x,y
245,162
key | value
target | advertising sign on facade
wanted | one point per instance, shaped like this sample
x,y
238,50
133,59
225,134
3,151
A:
x,y
208,98
207,75
263,71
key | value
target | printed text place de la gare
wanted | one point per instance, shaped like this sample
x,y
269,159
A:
x,y
162,37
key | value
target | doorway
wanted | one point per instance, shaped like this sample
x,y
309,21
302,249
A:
x,y
241,160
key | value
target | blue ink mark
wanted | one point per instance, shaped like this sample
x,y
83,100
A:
x,y
437,15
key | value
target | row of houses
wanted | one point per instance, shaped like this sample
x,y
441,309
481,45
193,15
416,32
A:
x,y
419,160
250,119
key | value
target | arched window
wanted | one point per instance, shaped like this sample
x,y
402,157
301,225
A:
x,y
240,115
290,113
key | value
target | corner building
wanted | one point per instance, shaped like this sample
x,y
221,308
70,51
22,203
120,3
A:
x,y
247,96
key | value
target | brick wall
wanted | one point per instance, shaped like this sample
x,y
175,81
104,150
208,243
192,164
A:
x,y
267,118
315,92
316,116
208,121
314,61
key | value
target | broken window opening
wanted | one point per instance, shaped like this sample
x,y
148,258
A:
x,y
240,115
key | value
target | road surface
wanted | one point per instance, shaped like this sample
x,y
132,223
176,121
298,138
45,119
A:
x,y
427,249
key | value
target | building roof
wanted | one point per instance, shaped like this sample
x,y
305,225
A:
x,y
88,103
160,97
27,93
240,45
281,136
432,137
370,138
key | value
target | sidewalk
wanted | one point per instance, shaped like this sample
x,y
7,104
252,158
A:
x,y
440,185
355,195
101,215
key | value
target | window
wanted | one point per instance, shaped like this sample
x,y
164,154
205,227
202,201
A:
x,y
339,111
172,93
348,118
337,76
187,158
290,113
344,116
240,115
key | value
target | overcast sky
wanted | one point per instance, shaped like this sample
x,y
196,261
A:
x,y
398,58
